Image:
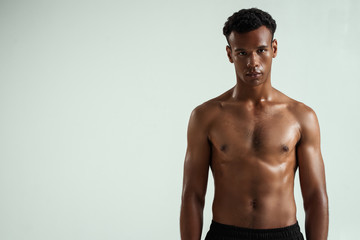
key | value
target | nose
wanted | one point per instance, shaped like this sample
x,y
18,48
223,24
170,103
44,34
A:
x,y
252,61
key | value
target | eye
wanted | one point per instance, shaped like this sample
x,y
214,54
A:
x,y
241,53
262,50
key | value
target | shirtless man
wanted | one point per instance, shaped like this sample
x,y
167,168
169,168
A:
x,y
254,138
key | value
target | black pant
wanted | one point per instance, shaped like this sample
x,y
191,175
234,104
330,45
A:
x,y
219,231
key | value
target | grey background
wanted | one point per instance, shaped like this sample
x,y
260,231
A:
x,y
95,98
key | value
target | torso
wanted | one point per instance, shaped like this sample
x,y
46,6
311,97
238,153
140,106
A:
x,y
253,161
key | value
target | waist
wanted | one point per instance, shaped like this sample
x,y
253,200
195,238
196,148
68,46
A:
x,y
263,212
287,232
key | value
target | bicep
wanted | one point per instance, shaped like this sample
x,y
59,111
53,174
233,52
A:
x,y
197,158
311,165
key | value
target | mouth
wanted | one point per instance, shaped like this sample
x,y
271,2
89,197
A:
x,y
253,74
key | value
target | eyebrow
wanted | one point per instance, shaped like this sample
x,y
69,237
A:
x,y
242,49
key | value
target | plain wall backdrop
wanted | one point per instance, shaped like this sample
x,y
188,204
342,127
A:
x,y
95,98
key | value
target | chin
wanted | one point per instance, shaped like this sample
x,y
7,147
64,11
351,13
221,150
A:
x,y
254,82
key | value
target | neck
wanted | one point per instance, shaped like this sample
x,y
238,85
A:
x,y
255,94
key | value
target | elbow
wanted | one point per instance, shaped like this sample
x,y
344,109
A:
x,y
316,201
192,197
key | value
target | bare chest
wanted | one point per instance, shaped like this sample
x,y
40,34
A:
x,y
239,134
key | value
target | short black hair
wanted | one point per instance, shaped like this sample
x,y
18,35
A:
x,y
246,20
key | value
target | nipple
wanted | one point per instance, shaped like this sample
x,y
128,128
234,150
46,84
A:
x,y
285,148
223,147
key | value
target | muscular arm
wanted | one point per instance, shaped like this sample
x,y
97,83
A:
x,y
312,178
196,169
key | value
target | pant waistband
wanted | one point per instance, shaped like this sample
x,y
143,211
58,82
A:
x,y
250,233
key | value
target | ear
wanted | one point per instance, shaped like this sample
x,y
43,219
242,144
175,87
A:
x,y
274,48
228,51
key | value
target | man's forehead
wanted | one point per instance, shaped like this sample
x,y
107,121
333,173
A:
x,y
258,37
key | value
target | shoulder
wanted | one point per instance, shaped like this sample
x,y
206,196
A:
x,y
211,107
307,120
204,114
299,110
303,113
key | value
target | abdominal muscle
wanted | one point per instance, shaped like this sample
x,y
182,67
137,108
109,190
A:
x,y
254,193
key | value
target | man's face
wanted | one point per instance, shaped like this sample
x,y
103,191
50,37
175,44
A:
x,y
252,55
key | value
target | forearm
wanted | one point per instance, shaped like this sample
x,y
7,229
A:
x,y
317,219
191,218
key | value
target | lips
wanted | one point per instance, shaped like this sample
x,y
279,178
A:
x,y
253,74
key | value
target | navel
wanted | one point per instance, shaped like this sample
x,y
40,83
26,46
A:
x,y
253,203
